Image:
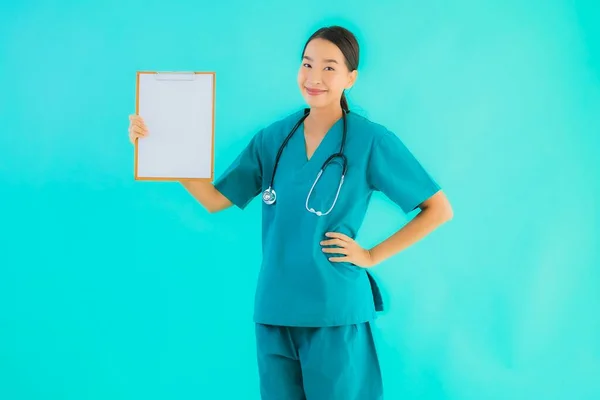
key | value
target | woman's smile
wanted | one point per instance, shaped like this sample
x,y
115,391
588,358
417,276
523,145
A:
x,y
314,92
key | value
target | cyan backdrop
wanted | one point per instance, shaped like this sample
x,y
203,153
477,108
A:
x,y
117,289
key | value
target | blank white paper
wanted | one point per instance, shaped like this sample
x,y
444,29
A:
x,y
178,111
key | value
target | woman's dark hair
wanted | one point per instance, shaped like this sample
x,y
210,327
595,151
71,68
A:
x,y
346,42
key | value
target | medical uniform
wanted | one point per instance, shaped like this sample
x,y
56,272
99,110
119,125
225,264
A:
x,y
313,316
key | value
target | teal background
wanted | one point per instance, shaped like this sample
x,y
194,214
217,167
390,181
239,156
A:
x,y
117,289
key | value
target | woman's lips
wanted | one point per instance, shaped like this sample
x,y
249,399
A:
x,y
314,92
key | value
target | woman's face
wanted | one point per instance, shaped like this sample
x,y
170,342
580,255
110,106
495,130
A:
x,y
323,75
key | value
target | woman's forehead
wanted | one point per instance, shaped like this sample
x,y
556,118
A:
x,y
322,51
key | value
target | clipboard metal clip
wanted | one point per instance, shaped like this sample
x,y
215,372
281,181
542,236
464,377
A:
x,y
175,76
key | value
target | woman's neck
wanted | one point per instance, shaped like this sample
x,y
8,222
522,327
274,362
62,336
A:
x,y
324,118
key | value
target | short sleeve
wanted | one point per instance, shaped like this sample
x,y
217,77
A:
x,y
242,180
394,171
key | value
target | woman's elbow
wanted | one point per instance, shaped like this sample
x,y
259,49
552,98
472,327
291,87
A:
x,y
440,206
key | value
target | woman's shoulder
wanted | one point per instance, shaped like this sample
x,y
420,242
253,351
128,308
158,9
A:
x,y
366,128
280,127
283,122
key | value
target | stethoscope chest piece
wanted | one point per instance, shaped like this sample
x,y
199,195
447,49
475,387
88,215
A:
x,y
269,196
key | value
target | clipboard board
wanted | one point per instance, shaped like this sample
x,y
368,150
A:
x,y
179,111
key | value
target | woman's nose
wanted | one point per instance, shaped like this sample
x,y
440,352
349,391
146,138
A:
x,y
314,78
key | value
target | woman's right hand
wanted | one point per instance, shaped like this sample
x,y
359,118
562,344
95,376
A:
x,y
137,128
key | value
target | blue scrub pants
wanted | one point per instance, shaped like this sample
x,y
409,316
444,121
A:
x,y
330,363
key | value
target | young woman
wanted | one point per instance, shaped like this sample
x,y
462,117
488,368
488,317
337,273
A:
x,y
316,170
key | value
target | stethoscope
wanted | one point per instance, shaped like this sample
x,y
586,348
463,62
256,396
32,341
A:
x,y
269,196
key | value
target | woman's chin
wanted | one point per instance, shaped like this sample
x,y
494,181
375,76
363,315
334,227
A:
x,y
316,101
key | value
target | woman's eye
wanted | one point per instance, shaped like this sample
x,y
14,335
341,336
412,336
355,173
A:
x,y
307,65
330,68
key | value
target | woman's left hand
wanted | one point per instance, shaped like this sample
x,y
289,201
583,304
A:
x,y
350,250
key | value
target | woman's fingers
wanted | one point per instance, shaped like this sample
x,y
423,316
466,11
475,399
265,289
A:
x,y
133,137
137,121
340,259
338,235
136,118
137,128
333,242
336,250
141,124
138,124
137,133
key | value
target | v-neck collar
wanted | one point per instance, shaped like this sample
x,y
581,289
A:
x,y
330,135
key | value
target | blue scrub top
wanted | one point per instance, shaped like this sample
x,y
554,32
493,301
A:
x,y
297,284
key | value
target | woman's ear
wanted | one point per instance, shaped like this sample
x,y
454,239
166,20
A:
x,y
351,79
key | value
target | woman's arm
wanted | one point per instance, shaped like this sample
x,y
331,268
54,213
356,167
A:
x,y
434,212
207,195
204,191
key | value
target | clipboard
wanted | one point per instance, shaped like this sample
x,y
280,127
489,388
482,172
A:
x,y
179,111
